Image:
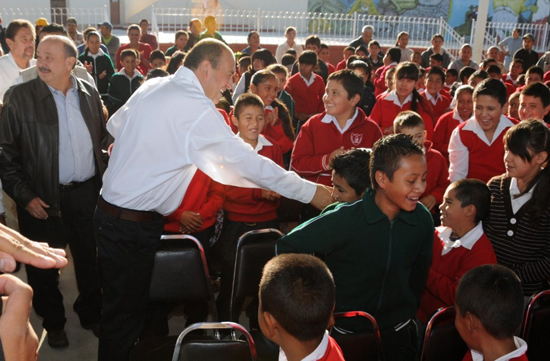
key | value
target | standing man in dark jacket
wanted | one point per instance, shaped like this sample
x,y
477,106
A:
x,y
53,137
526,53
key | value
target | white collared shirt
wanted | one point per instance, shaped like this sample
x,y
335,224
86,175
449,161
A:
x,y
9,71
308,81
282,49
262,142
521,349
431,98
456,116
518,202
331,119
136,74
392,97
467,241
317,354
458,153
157,149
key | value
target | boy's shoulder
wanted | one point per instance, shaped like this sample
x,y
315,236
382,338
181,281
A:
x,y
333,352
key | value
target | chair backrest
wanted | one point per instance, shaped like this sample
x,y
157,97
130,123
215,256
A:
x,y
180,273
360,346
254,250
442,340
536,326
215,349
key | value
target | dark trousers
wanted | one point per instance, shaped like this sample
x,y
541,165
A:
x,y
73,227
126,257
400,345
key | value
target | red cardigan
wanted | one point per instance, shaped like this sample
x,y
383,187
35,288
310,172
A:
x,y
341,65
437,179
317,140
277,133
442,133
247,204
309,100
446,270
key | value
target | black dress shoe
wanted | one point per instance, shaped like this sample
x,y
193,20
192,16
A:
x,y
94,327
57,339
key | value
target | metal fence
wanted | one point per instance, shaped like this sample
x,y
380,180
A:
x,y
84,16
496,32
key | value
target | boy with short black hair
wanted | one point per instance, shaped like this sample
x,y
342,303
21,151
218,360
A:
x,y
439,98
350,175
477,77
495,73
534,102
290,284
362,69
534,74
375,57
124,83
437,179
324,55
347,52
157,59
475,147
459,244
379,247
465,73
436,60
451,78
516,68
281,72
489,311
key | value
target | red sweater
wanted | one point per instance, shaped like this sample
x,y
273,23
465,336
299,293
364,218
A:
x,y
247,204
145,48
385,111
380,79
203,196
277,133
441,106
341,65
317,140
309,100
331,68
437,179
333,353
446,270
442,133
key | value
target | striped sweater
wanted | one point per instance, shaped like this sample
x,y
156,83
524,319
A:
x,y
519,244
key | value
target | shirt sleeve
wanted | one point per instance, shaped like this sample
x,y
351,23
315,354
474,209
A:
x,y
458,157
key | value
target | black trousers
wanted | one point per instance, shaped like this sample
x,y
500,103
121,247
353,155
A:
x,y
74,228
126,256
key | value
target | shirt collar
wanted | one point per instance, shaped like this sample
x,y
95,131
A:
x,y
331,119
521,348
136,74
392,96
311,78
456,116
514,189
317,354
467,241
431,98
262,142
74,87
473,126
375,214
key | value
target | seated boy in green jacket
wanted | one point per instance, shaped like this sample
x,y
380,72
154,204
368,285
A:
x,y
378,248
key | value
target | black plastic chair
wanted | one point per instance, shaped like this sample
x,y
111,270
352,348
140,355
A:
x,y
180,275
361,346
536,326
215,348
442,340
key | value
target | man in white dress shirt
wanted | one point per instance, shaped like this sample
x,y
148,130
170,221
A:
x,y
168,129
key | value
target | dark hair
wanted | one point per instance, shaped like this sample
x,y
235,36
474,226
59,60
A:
x,y
492,87
251,33
298,291
157,54
324,46
394,54
128,52
437,57
353,166
143,21
535,70
408,70
180,33
349,48
175,62
486,62
437,71
538,90
493,294
452,72
133,27
473,192
353,58
350,81
361,48
313,40
407,119
284,117
521,79
194,20
245,61
53,28
278,69
207,49
91,32
157,73
374,42
261,76
465,72
308,57
399,37
246,100
288,59
292,52
358,64
263,55
437,36
388,152
518,30
526,139
464,88
15,25
518,60
494,69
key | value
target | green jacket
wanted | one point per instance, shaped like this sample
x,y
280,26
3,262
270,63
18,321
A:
x,y
379,266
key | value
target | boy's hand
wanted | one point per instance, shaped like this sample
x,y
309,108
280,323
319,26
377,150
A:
x,y
270,195
322,197
89,66
103,74
191,221
428,202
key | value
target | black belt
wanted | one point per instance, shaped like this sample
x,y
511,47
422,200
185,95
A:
x,y
126,214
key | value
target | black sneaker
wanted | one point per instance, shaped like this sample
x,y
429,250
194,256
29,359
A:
x,y
57,339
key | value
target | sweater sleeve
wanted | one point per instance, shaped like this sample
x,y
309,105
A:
x,y
458,157
304,161
320,94
214,201
442,178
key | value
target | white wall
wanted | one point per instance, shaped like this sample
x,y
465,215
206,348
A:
x,y
24,9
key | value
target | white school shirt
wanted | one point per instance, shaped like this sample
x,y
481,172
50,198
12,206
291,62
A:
x,y
518,202
168,129
327,119
458,153
467,241
317,354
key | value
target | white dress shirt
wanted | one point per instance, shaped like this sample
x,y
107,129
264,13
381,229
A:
x,y
518,202
317,354
284,47
467,241
9,71
167,130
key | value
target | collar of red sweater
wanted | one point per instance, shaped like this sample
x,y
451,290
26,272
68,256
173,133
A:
x,y
467,241
332,119
431,98
392,97
473,126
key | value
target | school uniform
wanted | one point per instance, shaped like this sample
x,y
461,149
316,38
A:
x,y
321,135
437,179
277,133
307,93
472,155
331,68
507,78
519,354
440,103
341,65
380,78
327,350
443,131
451,259
121,89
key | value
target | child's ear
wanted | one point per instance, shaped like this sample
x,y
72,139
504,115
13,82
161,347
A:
x,y
331,321
137,61
470,211
381,179
235,120
271,325
252,88
355,99
505,108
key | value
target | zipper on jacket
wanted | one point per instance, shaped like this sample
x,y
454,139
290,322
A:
x,y
386,271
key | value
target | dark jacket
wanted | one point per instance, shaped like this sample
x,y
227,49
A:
x,y
100,64
29,140
121,89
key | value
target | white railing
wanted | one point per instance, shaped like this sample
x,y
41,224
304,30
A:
x,y
332,28
496,32
84,16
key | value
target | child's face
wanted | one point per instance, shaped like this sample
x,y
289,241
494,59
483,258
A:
x,y
434,84
516,68
348,53
474,81
465,105
336,100
487,111
290,35
437,43
251,122
94,44
520,168
532,78
403,193
374,50
434,62
418,134
421,84
450,79
513,108
258,64
281,77
361,73
466,54
306,70
157,64
452,213
415,58
404,87
531,107
129,64
312,47
134,36
181,42
389,81
341,190
266,90
324,54
403,41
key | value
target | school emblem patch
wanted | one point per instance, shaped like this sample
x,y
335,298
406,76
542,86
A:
x,y
356,138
